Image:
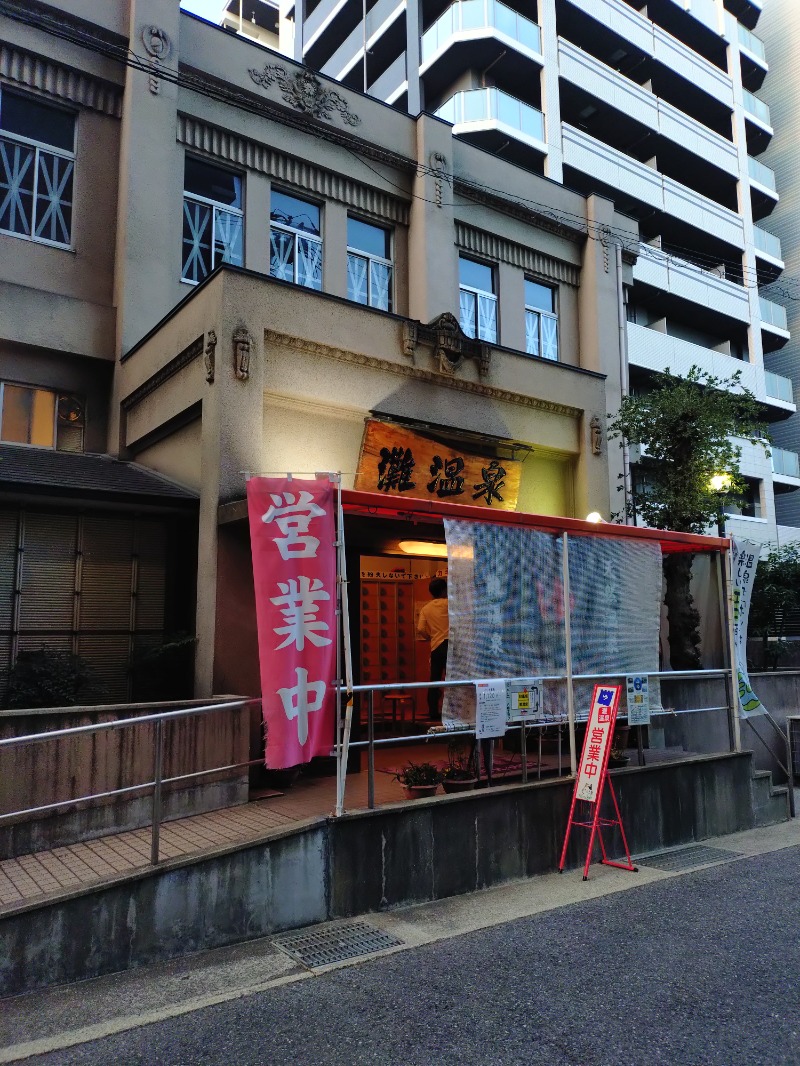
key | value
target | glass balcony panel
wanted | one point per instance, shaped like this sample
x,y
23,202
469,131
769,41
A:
x,y
778,387
754,106
532,122
768,243
529,34
474,105
508,110
505,20
476,15
761,173
472,12
752,43
479,105
773,314
786,463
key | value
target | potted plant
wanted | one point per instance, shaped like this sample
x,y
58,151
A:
x,y
459,774
419,779
618,757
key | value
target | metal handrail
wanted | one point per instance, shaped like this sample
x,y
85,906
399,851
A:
x,y
786,769
158,760
444,733
120,723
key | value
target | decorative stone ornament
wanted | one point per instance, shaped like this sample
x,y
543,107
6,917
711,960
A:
x,y
596,434
305,92
242,343
158,46
451,346
211,355
448,346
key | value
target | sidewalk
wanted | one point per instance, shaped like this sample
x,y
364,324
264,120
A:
x,y
61,1017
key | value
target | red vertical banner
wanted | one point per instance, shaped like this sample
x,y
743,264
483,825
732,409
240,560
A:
x,y
292,536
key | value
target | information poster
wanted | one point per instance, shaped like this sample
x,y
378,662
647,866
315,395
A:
x,y
638,699
490,716
526,701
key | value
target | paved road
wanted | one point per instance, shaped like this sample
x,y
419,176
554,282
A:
x,y
703,968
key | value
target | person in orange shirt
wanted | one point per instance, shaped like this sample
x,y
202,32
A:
x,y
434,625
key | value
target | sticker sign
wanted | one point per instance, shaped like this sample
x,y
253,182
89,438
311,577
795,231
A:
x,y
525,701
490,716
638,699
597,743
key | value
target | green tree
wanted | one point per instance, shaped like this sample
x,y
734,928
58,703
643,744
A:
x,y
684,426
776,592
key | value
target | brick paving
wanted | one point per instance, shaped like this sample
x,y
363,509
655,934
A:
x,y
35,877
30,878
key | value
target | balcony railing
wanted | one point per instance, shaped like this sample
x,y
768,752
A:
x,y
778,387
767,243
785,463
465,15
493,105
757,108
753,44
773,314
761,173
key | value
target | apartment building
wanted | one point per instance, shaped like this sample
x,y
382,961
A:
x,y
779,27
242,266
655,105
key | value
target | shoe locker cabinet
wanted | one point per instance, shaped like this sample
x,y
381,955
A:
x,y
387,634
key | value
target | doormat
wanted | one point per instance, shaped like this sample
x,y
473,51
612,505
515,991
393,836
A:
x,y
686,858
323,945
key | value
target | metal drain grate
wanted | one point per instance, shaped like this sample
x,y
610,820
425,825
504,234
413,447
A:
x,y
327,944
686,858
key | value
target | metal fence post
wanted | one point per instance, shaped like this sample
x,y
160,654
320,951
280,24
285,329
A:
x,y
371,750
158,772
573,759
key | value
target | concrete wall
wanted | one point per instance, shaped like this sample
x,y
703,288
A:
x,y
363,862
708,732
47,772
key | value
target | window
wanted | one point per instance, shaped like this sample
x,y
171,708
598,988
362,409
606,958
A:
x,y
477,299
213,219
749,503
37,162
295,244
40,418
541,320
369,264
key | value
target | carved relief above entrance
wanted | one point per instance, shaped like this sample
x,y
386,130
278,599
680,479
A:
x,y
451,346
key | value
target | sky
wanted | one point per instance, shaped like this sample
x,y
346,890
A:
x,y
207,9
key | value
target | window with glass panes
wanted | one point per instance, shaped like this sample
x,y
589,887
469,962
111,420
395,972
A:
x,y
541,320
40,418
477,298
748,504
213,219
295,240
37,166
369,264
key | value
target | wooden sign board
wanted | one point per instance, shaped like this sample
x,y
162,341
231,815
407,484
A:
x,y
400,462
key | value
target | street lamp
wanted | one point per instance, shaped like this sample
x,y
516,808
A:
x,y
721,485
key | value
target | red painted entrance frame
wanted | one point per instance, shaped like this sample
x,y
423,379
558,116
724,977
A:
x,y
384,505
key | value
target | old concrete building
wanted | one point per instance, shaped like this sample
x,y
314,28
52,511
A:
x,y
228,264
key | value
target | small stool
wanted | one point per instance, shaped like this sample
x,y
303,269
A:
x,y
398,700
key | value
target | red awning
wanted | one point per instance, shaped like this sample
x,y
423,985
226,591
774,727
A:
x,y
385,506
